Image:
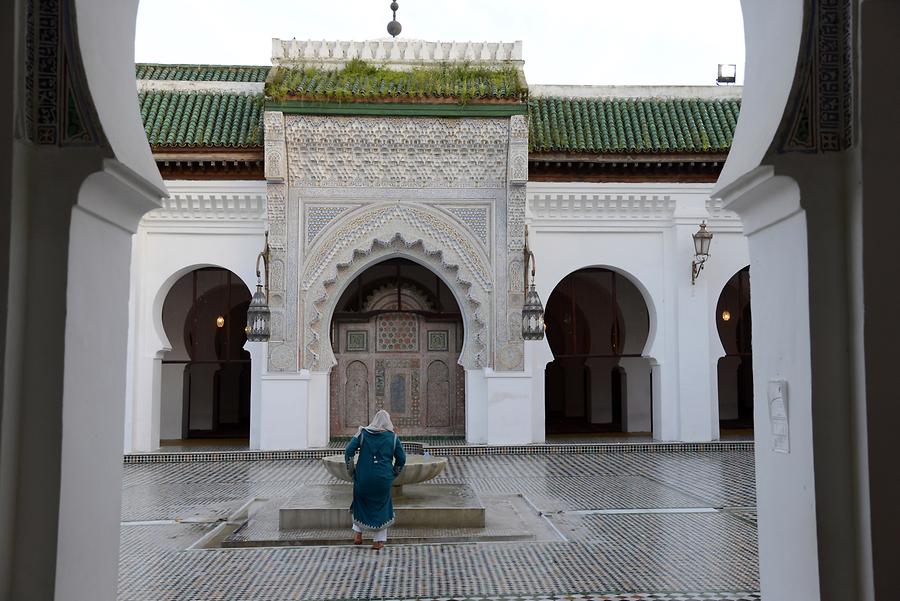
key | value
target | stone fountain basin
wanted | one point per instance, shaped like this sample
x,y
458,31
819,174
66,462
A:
x,y
419,468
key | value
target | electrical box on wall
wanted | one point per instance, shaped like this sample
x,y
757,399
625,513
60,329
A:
x,y
778,416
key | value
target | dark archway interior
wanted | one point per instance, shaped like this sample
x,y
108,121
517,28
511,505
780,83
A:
x,y
735,369
207,373
597,326
397,333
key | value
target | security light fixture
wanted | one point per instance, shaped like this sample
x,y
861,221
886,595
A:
x,y
532,309
727,74
702,240
258,314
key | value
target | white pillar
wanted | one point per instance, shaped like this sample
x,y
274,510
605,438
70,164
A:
x,y
94,381
258,353
693,324
776,228
284,411
476,407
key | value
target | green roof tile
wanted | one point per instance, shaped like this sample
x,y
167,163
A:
x,y
631,125
202,119
202,73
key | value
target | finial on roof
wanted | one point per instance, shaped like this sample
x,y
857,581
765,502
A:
x,y
394,27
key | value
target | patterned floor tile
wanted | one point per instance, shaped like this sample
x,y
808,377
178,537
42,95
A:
x,y
656,553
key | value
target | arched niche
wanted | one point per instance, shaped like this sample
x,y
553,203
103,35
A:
x,y
598,326
735,367
397,334
205,373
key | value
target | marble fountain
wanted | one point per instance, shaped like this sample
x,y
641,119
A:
x,y
416,504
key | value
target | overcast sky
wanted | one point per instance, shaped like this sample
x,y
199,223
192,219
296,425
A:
x,y
601,42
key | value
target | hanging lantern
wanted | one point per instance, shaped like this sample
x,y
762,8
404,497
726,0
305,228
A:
x,y
258,317
532,316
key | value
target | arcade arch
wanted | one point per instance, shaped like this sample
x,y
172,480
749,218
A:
x,y
205,373
598,325
735,367
397,333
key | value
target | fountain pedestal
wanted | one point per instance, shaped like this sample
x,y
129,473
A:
x,y
415,504
419,505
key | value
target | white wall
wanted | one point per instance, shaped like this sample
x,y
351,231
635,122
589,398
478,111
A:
x,y
202,224
643,231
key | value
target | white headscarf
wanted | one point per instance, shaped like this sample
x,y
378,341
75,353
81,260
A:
x,y
380,423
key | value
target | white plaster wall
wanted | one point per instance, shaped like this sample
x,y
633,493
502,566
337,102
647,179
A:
x,y
644,232
203,224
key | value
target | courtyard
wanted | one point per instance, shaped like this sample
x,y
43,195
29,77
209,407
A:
x,y
603,522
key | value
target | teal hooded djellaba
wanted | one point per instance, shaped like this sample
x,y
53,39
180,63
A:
x,y
381,459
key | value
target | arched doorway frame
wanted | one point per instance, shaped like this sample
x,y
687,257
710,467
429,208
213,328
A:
x,y
719,350
361,270
376,233
651,345
151,343
235,322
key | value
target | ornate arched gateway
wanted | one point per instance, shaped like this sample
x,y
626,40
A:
x,y
440,185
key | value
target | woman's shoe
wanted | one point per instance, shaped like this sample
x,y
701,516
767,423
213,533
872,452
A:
x,y
377,546
357,538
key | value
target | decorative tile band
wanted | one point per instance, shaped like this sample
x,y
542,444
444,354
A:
x,y
450,451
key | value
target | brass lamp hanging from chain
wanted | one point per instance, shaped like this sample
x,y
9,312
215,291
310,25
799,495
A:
x,y
258,314
532,309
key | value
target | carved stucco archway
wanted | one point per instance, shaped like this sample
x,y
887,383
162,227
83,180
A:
x,y
375,233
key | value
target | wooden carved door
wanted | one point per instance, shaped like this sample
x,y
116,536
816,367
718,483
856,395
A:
x,y
402,362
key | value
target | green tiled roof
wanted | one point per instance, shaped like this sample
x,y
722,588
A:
x,y
631,125
359,81
202,119
202,73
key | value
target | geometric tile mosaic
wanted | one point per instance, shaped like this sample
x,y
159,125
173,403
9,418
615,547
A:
x,y
657,553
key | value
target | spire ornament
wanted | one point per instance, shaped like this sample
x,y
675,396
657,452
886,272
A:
x,y
394,27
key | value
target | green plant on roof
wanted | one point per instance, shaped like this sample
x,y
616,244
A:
x,y
359,79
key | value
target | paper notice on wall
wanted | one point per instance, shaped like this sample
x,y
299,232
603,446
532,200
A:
x,y
778,416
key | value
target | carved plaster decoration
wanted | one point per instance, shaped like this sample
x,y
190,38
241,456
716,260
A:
x,y
515,219
317,218
396,152
613,207
235,207
276,153
518,150
371,234
474,218
414,221
819,117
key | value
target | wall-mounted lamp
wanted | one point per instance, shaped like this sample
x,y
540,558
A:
x,y
702,240
727,74
258,314
726,315
220,321
532,309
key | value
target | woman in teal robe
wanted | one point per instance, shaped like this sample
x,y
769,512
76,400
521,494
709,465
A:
x,y
381,459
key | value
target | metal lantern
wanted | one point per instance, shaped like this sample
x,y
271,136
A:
x,y
702,240
532,309
258,316
532,316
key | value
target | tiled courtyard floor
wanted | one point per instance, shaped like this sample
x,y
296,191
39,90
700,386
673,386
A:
x,y
625,526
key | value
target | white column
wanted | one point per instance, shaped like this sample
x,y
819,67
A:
x,y
776,227
693,324
258,353
319,410
284,411
94,381
476,407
